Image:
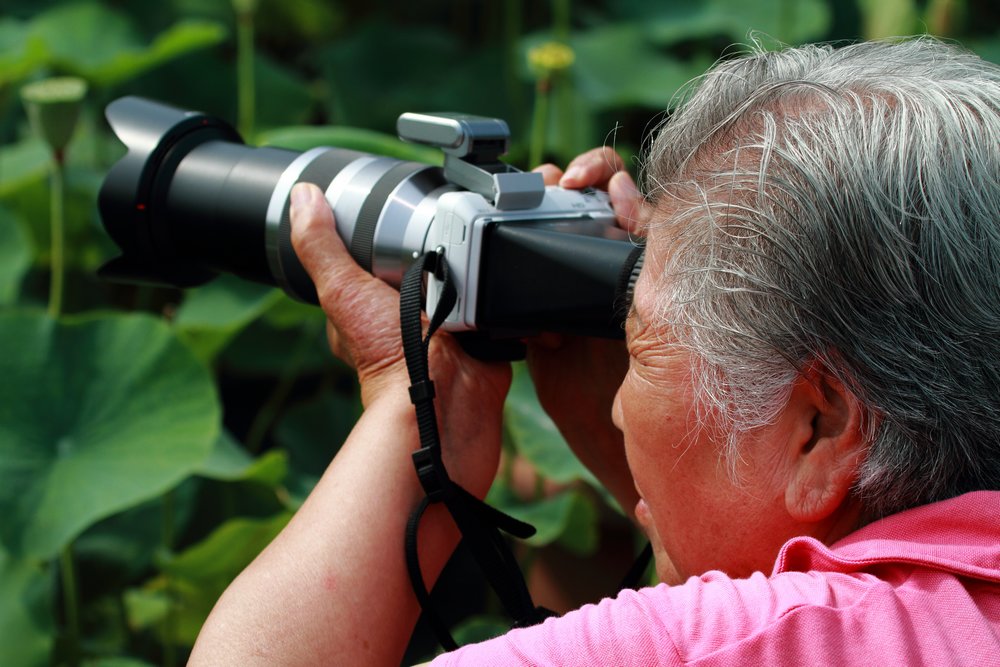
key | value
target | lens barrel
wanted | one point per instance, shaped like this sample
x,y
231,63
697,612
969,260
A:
x,y
190,200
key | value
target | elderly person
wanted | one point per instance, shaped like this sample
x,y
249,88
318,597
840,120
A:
x,y
809,414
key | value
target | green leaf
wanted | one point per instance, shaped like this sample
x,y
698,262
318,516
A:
x,y
15,256
262,349
117,550
268,469
288,313
26,627
199,575
22,163
116,662
312,432
404,70
32,201
568,517
96,415
146,608
619,66
790,21
304,137
212,314
480,628
101,45
227,461
889,18
83,34
20,55
536,437
988,49
217,559
224,303
283,96
180,39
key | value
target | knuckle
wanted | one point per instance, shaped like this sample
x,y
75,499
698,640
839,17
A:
x,y
611,158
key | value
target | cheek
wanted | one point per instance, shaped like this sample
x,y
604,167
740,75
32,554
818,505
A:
x,y
648,422
616,410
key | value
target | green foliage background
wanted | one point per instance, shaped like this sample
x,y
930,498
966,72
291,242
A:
x,y
153,441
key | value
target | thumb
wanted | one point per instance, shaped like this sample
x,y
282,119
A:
x,y
355,301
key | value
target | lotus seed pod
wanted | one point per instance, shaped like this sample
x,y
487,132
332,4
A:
x,y
53,107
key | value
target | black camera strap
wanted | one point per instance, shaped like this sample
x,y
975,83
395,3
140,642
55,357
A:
x,y
479,523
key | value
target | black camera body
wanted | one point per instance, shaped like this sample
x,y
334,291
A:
x,y
190,200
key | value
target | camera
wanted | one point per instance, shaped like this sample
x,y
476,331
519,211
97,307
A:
x,y
190,200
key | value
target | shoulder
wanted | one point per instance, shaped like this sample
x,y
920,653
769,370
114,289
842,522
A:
x,y
664,625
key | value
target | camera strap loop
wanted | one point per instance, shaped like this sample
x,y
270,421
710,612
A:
x,y
479,523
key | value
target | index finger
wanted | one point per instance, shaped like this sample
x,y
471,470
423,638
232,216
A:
x,y
592,169
550,173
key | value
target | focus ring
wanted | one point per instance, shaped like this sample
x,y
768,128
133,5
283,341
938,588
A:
x,y
363,240
320,172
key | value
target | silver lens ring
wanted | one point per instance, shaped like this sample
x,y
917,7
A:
x,y
277,207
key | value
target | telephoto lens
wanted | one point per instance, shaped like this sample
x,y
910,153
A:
x,y
190,200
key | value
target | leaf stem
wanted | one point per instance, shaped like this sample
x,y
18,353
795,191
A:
x,y
561,12
511,38
245,96
269,411
57,225
170,620
70,604
540,121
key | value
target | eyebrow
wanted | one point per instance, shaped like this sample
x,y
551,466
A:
x,y
634,318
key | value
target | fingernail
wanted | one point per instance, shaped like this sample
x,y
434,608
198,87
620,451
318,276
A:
x,y
302,195
572,176
626,184
576,176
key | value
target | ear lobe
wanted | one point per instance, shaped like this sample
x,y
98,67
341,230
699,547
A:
x,y
827,447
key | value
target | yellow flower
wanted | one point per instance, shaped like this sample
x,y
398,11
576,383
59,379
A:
x,y
550,57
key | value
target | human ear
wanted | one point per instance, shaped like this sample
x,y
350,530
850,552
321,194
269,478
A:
x,y
826,447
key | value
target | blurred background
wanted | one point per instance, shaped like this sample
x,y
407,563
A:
x,y
152,441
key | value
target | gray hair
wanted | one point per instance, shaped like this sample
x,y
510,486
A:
x,y
841,207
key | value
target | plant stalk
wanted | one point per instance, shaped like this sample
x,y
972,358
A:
x,y
70,605
561,13
540,121
56,215
269,411
245,95
511,39
170,620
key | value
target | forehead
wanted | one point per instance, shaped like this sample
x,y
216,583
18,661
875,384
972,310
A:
x,y
645,296
660,228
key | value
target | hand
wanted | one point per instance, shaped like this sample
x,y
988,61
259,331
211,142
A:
x,y
604,169
363,329
576,378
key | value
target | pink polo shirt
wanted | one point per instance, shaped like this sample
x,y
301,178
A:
x,y
919,587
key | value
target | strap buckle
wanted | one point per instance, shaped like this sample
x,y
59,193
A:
x,y
422,391
432,474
